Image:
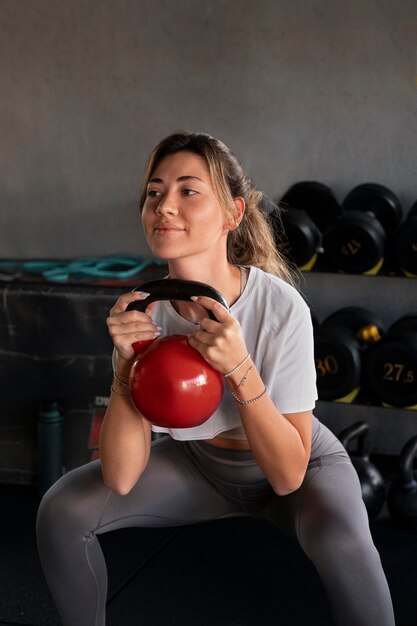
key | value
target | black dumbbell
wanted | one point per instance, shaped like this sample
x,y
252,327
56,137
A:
x,y
370,478
357,242
309,207
405,244
391,364
338,350
402,492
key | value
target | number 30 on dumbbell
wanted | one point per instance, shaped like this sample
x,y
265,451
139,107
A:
x,y
339,346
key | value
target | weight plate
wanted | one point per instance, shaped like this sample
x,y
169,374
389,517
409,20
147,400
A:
x,y
303,236
405,245
338,363
376,199
316,199
352,317
413,211
406,322
355,243
391,368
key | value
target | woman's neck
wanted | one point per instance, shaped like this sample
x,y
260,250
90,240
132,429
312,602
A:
x,y
227,280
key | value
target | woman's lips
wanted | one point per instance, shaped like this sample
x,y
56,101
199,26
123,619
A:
x,y
167,228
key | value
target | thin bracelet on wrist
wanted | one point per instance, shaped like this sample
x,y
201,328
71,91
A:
x,y
244,377
237,366
123,395
120,381
261,395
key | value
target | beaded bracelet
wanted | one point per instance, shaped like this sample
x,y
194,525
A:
x,y
252,399
237,366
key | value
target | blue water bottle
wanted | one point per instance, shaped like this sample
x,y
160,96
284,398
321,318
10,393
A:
x,y
50,446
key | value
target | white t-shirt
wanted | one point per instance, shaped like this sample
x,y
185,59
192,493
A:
x,y
277,327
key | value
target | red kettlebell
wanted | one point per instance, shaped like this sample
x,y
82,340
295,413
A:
x,y
170,383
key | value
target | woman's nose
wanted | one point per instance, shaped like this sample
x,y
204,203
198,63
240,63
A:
x,y
167,206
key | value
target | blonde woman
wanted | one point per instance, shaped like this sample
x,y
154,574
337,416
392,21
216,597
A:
x,y
263,452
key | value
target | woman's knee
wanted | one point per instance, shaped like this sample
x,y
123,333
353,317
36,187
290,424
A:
x,y
338,541
333,518
72,504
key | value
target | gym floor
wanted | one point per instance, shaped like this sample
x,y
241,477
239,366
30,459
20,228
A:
x,y
238,572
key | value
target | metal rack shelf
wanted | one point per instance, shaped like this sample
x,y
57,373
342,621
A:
x,y
390,428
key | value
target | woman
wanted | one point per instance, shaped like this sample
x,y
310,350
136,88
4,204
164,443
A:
x,y
262,452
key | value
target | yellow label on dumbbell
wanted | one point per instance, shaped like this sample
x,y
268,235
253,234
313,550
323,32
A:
x,y
405,408
307,267
374,270
408,274
369,334
349,397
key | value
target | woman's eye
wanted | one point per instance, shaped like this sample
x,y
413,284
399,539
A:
x,y
189,192
152,193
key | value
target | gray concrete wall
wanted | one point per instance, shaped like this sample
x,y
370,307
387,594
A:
x,y
317,89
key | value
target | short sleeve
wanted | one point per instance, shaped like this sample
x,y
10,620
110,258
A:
x,y
288,367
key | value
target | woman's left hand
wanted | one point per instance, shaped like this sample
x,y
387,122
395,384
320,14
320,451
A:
x,y
220,342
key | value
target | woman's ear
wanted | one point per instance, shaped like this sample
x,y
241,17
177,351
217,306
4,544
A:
x,y
240,209
237,215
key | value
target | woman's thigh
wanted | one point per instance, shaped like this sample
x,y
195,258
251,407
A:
x,y
327,506
170,492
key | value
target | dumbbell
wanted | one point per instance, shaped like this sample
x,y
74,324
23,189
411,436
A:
x,y
357,242
391,364
310,208
338,349
370,478
405,243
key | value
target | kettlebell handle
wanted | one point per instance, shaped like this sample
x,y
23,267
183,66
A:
x,y
175,289
359,430
407,456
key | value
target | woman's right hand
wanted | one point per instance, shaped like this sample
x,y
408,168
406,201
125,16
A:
x,y
127,327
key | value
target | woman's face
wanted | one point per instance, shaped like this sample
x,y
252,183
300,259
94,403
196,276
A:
x,y
182,216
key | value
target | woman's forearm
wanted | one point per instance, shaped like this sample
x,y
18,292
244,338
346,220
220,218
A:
x,y
280,444
125,439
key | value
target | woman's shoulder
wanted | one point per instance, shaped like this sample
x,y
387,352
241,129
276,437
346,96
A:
x,y
272,304
275,288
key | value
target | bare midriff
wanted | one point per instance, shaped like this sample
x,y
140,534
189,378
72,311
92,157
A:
x,y
231,444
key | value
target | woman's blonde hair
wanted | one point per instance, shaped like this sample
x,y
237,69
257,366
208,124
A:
x,y
252,242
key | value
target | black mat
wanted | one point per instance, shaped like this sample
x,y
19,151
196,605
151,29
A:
x,y
238,572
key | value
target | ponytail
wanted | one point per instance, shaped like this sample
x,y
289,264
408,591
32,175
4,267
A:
x,y
253,242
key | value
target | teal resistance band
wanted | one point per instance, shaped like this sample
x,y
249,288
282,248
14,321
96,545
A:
x,y
118,267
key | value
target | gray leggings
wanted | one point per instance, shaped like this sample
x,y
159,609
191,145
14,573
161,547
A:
x,y
187,483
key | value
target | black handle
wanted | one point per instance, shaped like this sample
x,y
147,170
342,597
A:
x,y
359,430
407,456
175,289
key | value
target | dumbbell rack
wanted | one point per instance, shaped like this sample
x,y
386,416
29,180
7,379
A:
x,y
389,297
